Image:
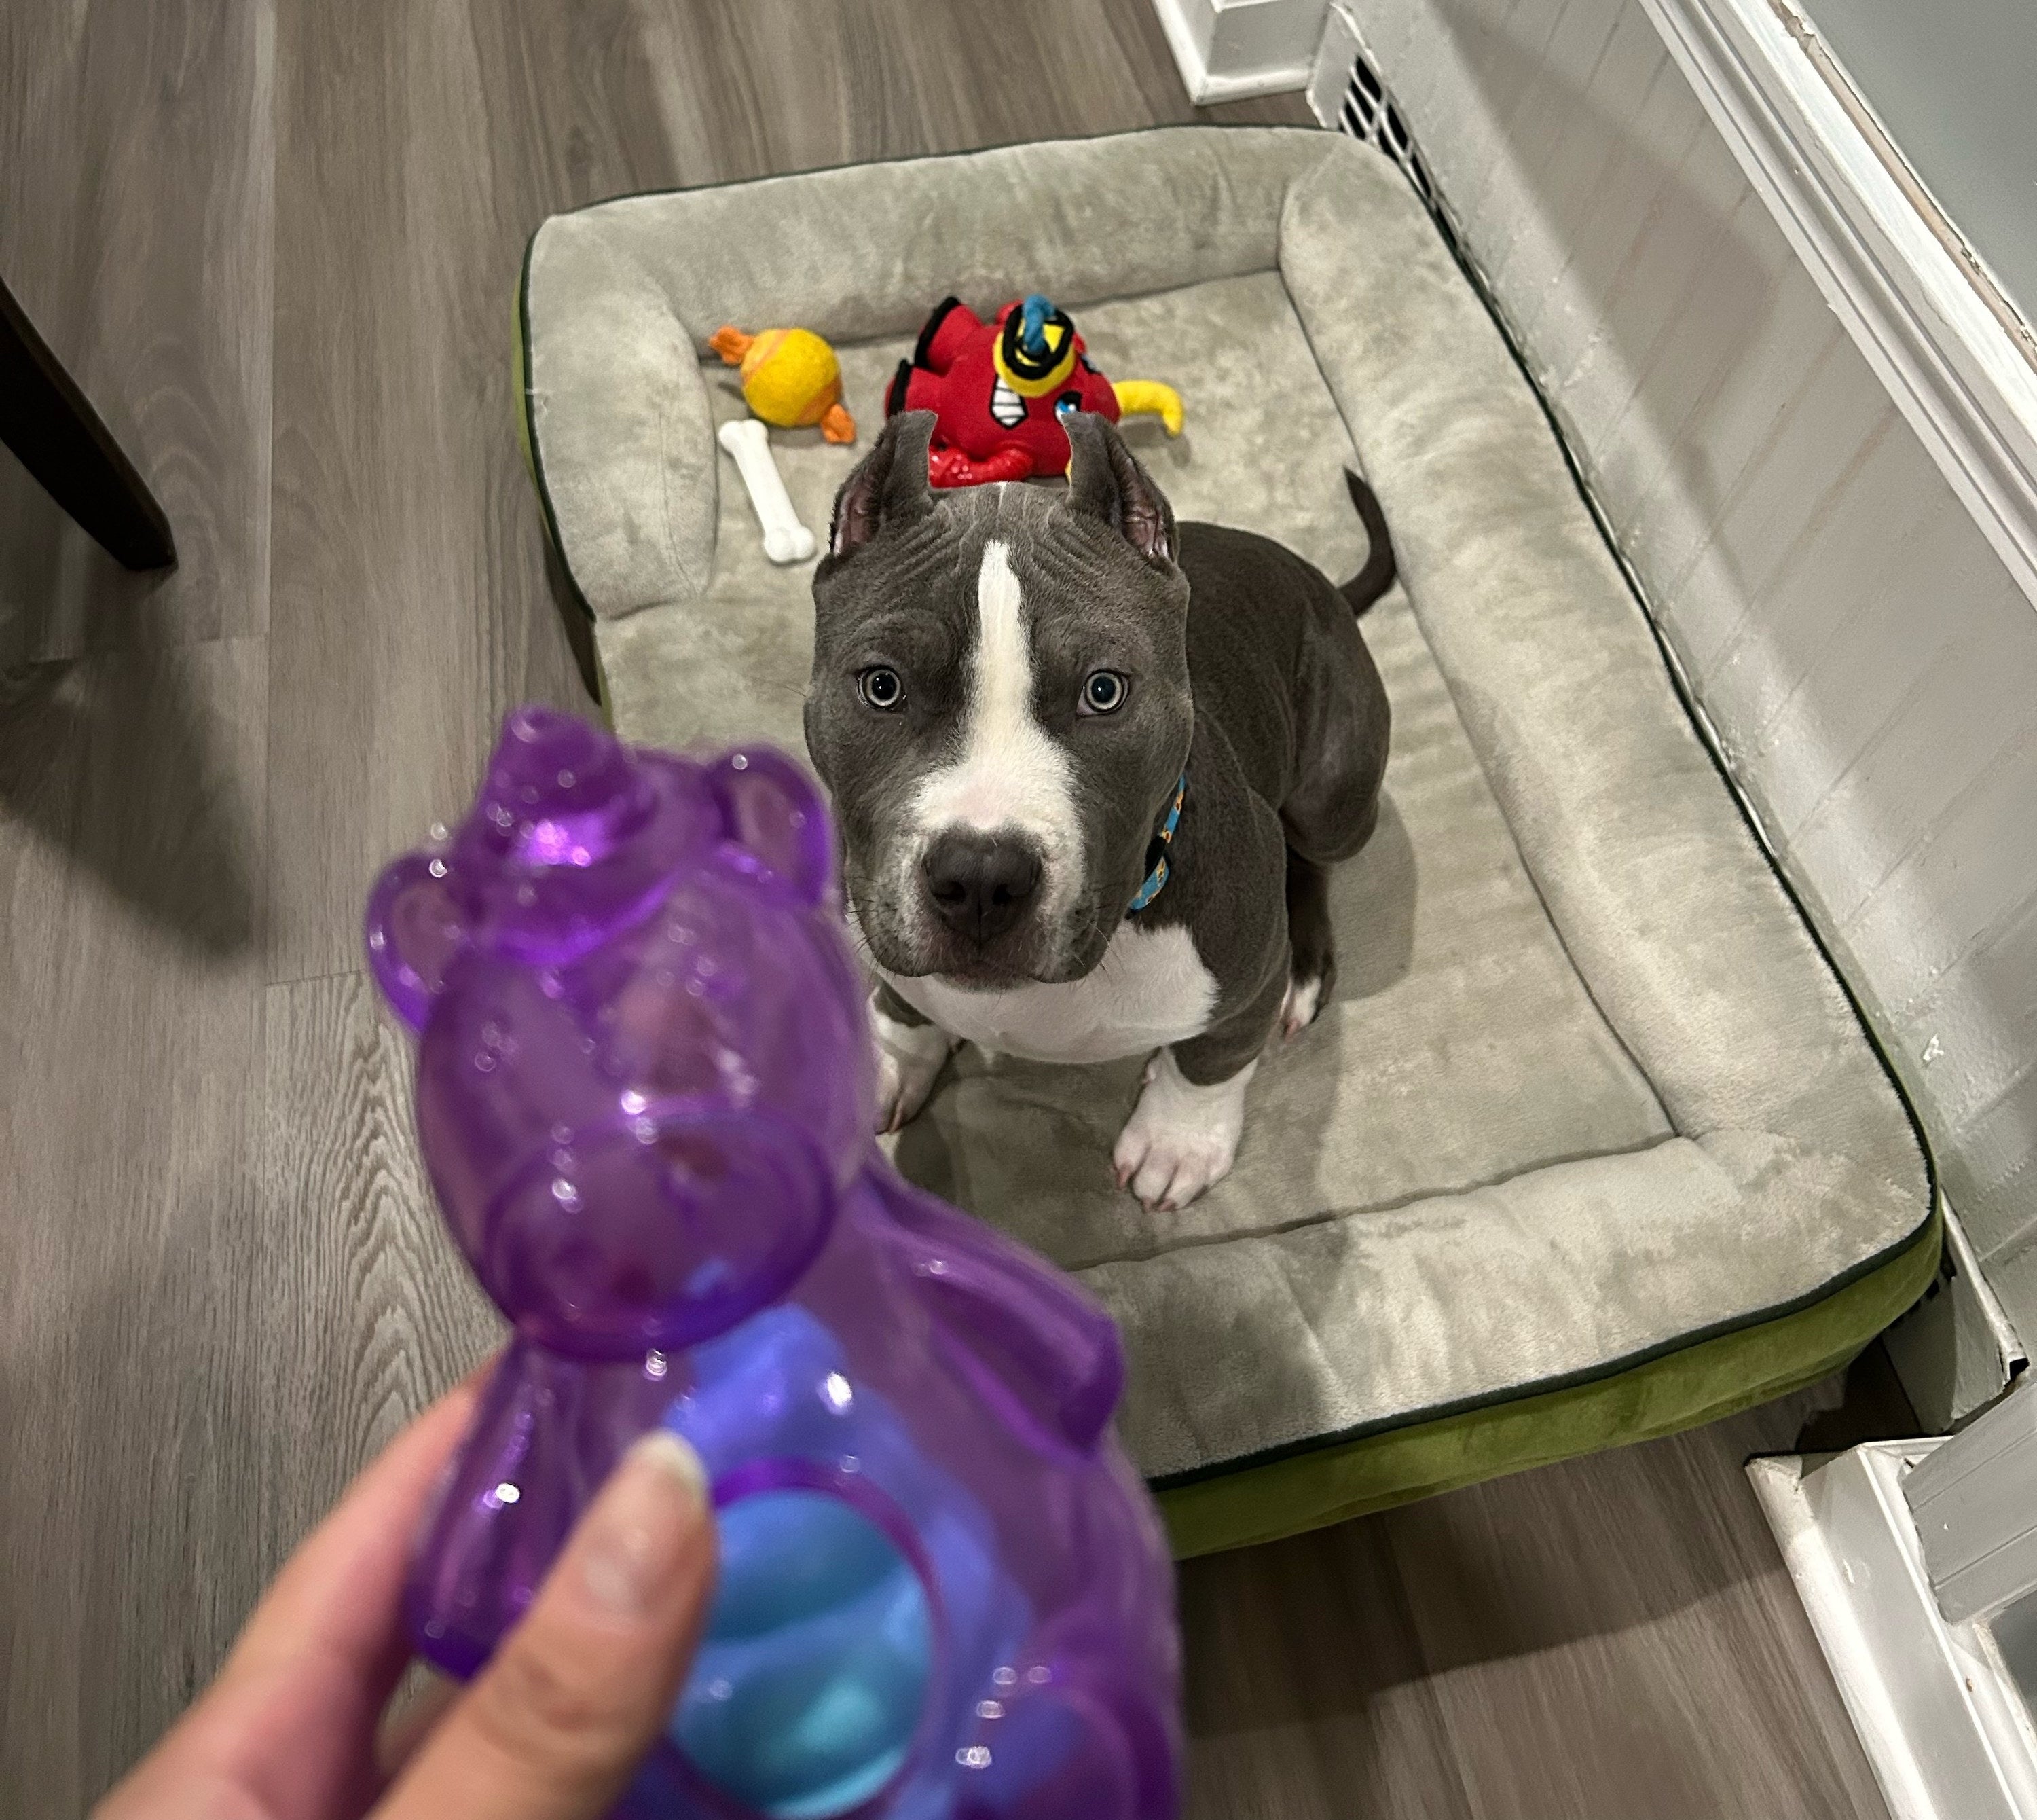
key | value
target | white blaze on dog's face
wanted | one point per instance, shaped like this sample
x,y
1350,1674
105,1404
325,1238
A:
x,y
1009,783
1000,707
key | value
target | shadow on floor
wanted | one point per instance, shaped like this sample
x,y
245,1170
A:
x,y
1866,1402
1637,1539
115,763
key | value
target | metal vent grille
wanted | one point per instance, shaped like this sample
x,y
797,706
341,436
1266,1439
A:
x,y
1369,113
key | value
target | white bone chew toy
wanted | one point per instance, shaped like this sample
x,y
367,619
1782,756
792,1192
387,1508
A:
x,y
785,539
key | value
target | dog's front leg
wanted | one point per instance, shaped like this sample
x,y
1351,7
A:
x,y
911,1053
1182,1136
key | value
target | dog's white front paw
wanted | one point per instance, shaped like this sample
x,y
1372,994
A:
x,y
1181,1138
909,1056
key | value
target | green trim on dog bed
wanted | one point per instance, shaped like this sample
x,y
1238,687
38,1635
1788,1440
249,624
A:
x,y
1592,1145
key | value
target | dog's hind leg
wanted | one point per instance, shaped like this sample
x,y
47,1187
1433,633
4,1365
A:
x,y
1343,725
1312,951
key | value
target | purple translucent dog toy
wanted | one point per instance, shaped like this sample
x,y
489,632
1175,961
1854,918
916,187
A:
x,y
644,1098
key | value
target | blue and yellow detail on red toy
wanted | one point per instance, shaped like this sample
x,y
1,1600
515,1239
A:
x,y
999,390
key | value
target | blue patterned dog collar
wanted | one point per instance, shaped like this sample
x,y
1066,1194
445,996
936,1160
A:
x,y
1156,875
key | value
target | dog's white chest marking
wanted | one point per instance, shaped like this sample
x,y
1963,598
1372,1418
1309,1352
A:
x,y
1150,988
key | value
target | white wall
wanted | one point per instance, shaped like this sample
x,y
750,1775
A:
x,y
1870,665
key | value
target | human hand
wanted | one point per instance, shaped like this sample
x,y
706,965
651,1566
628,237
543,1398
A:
x,y
552,1729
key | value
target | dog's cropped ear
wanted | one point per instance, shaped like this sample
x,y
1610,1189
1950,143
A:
x,y
888,486
1106,481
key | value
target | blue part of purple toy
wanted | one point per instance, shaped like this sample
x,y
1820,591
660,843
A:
x,y
644,1099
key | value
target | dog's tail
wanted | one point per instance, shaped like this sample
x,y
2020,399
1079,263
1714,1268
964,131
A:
x,y
1377,575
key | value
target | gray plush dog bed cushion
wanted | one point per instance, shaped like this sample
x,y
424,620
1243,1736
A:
x,y
1589,1090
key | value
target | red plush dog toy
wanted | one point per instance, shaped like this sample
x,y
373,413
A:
x,y
999,390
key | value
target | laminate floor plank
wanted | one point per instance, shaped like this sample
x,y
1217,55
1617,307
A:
x,y
1616,1637
1613,1638
129,923
371,1313
416,150
136,151
751,88
1307,1697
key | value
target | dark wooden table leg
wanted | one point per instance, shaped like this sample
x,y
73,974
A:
x,y
50,425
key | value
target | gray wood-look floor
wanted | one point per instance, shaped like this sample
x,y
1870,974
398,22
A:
x,y
277,241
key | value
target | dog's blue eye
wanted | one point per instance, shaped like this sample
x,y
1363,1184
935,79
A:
x,y
1104,692
880,688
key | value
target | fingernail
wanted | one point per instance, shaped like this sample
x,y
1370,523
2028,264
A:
x,y
635,1535
671,1456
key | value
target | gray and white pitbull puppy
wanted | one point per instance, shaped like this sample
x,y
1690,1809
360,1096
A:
x,y
1010,684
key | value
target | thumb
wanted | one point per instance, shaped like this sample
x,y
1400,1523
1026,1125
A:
x,y
555,1726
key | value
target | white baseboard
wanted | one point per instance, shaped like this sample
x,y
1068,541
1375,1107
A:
x,y
1190,27
1944,1729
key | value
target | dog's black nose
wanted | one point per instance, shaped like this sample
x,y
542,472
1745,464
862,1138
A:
x,y
979,885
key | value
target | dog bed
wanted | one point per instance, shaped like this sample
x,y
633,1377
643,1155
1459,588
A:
x,y
1591,1145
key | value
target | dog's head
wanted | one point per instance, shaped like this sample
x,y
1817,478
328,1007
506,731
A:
x,y
1000,704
